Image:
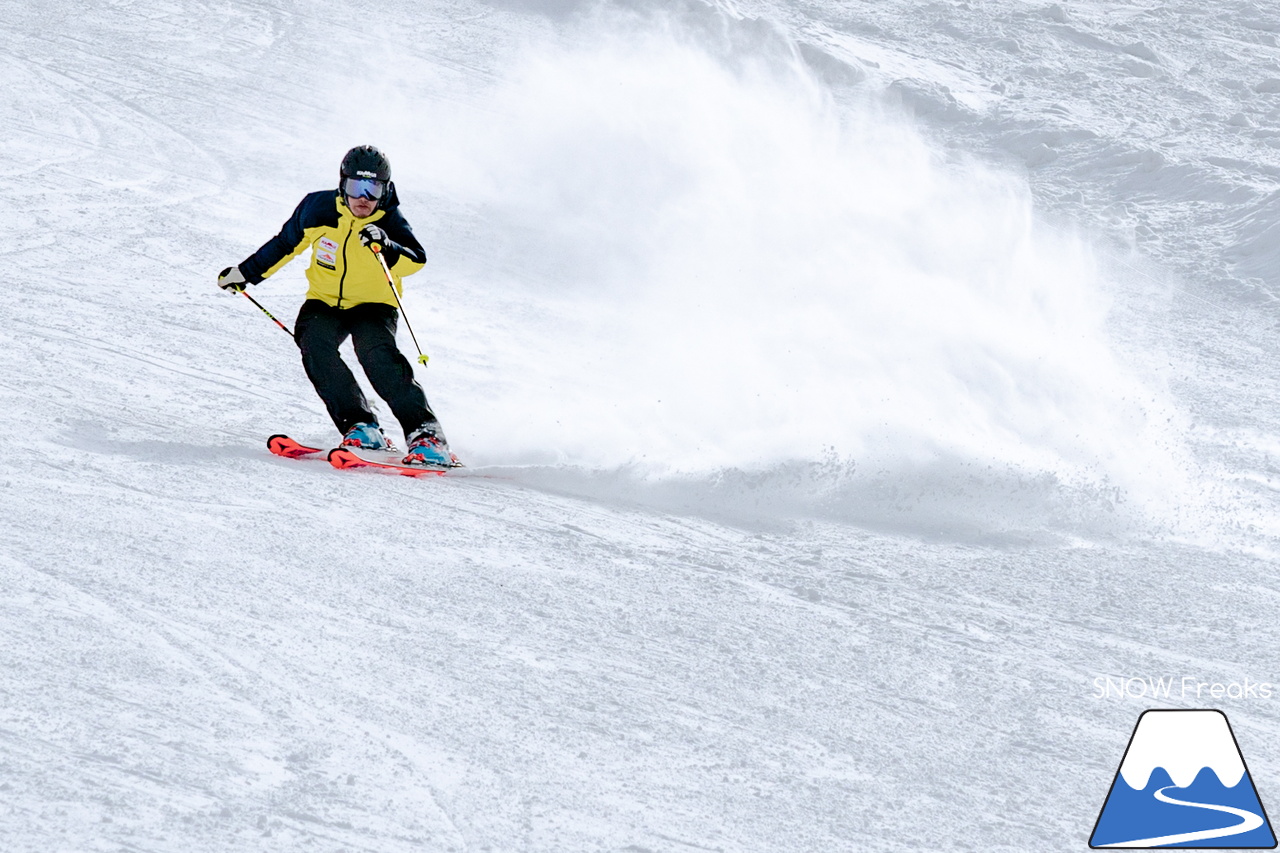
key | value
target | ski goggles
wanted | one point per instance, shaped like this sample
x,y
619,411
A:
x,y
370,188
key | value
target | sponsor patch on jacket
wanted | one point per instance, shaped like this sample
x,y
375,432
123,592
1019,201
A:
x,y
327,253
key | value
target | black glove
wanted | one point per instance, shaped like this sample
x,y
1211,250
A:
x,y
232,280
373,234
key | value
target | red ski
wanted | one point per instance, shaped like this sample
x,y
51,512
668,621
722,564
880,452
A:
x,y
344,458
282,445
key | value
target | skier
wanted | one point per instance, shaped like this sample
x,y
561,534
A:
x,y
350,296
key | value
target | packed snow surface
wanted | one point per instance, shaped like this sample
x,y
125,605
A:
x,y
846,389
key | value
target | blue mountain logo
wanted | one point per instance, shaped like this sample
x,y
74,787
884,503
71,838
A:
x,y
1183,783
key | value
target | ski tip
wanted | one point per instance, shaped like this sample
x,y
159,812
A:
x,y
282,445
341,458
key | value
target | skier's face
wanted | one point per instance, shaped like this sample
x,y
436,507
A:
x,y
362,207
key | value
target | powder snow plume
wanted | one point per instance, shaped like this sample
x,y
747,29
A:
x,y
711,264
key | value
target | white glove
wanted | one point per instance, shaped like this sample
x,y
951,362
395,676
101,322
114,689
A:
x,y
232,280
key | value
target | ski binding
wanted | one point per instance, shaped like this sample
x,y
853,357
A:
x,y
345,458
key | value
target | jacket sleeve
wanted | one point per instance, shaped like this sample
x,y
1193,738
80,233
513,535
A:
x,y
407,255
280,249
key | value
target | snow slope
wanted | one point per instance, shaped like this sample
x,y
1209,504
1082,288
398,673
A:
x,y
845,387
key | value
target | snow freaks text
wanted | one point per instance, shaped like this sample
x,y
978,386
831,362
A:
x,y
1186,687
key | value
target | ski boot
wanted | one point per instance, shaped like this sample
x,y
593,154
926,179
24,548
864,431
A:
x,y
366,437
427,447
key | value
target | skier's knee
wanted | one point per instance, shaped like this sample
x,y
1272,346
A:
x,y
312,354
377,353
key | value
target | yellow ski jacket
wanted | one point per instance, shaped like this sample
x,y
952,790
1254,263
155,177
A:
x,y
343,273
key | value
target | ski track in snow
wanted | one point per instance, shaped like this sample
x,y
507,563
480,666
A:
x,y
207,648
1248,822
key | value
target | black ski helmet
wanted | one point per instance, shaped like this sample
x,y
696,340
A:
x,y
363,161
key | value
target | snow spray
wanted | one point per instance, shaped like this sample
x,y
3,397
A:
x,y
685,259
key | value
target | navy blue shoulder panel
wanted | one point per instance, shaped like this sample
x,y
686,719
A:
x,y
397,227
315,210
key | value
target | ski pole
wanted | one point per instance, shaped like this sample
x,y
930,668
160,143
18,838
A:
x,y
268,313
391,282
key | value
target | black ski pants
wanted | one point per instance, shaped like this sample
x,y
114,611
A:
x,y
321,329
